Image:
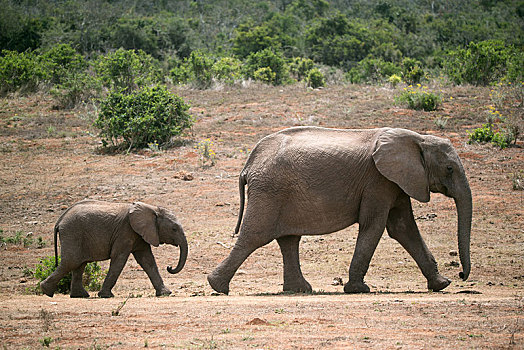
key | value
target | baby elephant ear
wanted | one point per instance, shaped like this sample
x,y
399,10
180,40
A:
x,y
398,156
143,221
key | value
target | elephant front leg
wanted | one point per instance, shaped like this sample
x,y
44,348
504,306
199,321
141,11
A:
x,y
294,281
115,268
402,227
146,259
77,287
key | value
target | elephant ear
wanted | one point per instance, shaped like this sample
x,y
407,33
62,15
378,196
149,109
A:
x,y
398,156
142,218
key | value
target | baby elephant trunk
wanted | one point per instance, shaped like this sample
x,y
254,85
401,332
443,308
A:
x,y
181,259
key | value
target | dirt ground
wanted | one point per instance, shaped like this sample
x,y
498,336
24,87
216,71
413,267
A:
x,y
51,159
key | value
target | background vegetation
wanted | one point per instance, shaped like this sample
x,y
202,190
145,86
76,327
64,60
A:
x,y
88,50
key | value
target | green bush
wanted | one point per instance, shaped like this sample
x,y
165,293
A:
x,y
267,59
76,88
412,71
394,80
265,75
180,73
62,61
315,78
201,66
20,72
483,63
127,70
487,134
372,69
148,115
92,277
227,70
419,99
300,67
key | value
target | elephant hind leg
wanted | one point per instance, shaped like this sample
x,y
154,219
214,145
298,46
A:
x,y
294,281
402,227
245,245
77,287
50,284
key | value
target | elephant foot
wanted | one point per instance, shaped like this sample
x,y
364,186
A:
x,y
163,292
79,294
46,289
217,285
356,287
103,294
298,287
438,283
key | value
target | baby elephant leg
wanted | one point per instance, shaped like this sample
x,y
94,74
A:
x,y
115,268
50,284
146,259
77,287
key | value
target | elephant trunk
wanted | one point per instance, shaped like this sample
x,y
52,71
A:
x,y
181,259
464,213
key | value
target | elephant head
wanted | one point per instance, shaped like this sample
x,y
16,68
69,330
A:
x,y
420,164
157,226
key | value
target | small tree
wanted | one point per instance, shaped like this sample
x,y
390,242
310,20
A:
x,y
20,71
315,78
480,63
127,70
148,115
267,59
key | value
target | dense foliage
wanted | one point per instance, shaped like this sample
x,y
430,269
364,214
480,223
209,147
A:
x,y
92,277
335,33
150,115
100,50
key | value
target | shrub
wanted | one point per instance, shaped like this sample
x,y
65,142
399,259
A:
x,y
20,72
372,69
508,99
92,276
419,99
394,80
180,74
148,115
412,71
265,75
487,134
267,59
75,88
62,61
482,63
201,66
127,70
315,78
300,67
227,70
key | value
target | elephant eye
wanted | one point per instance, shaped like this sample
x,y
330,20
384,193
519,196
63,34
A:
x,y
450,169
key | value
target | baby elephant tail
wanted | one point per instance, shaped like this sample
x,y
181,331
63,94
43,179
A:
x,y
241,188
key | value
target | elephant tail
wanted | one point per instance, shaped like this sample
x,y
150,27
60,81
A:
x,y
241,188
56,244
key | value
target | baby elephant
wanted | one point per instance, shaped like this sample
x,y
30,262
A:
x,y
92,230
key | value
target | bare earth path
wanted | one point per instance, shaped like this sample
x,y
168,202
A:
x,y
49,160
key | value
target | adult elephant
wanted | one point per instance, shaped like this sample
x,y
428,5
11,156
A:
x,y
93,230
313,181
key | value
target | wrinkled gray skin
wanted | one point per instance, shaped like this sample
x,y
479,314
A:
x,y
313,181
93,231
